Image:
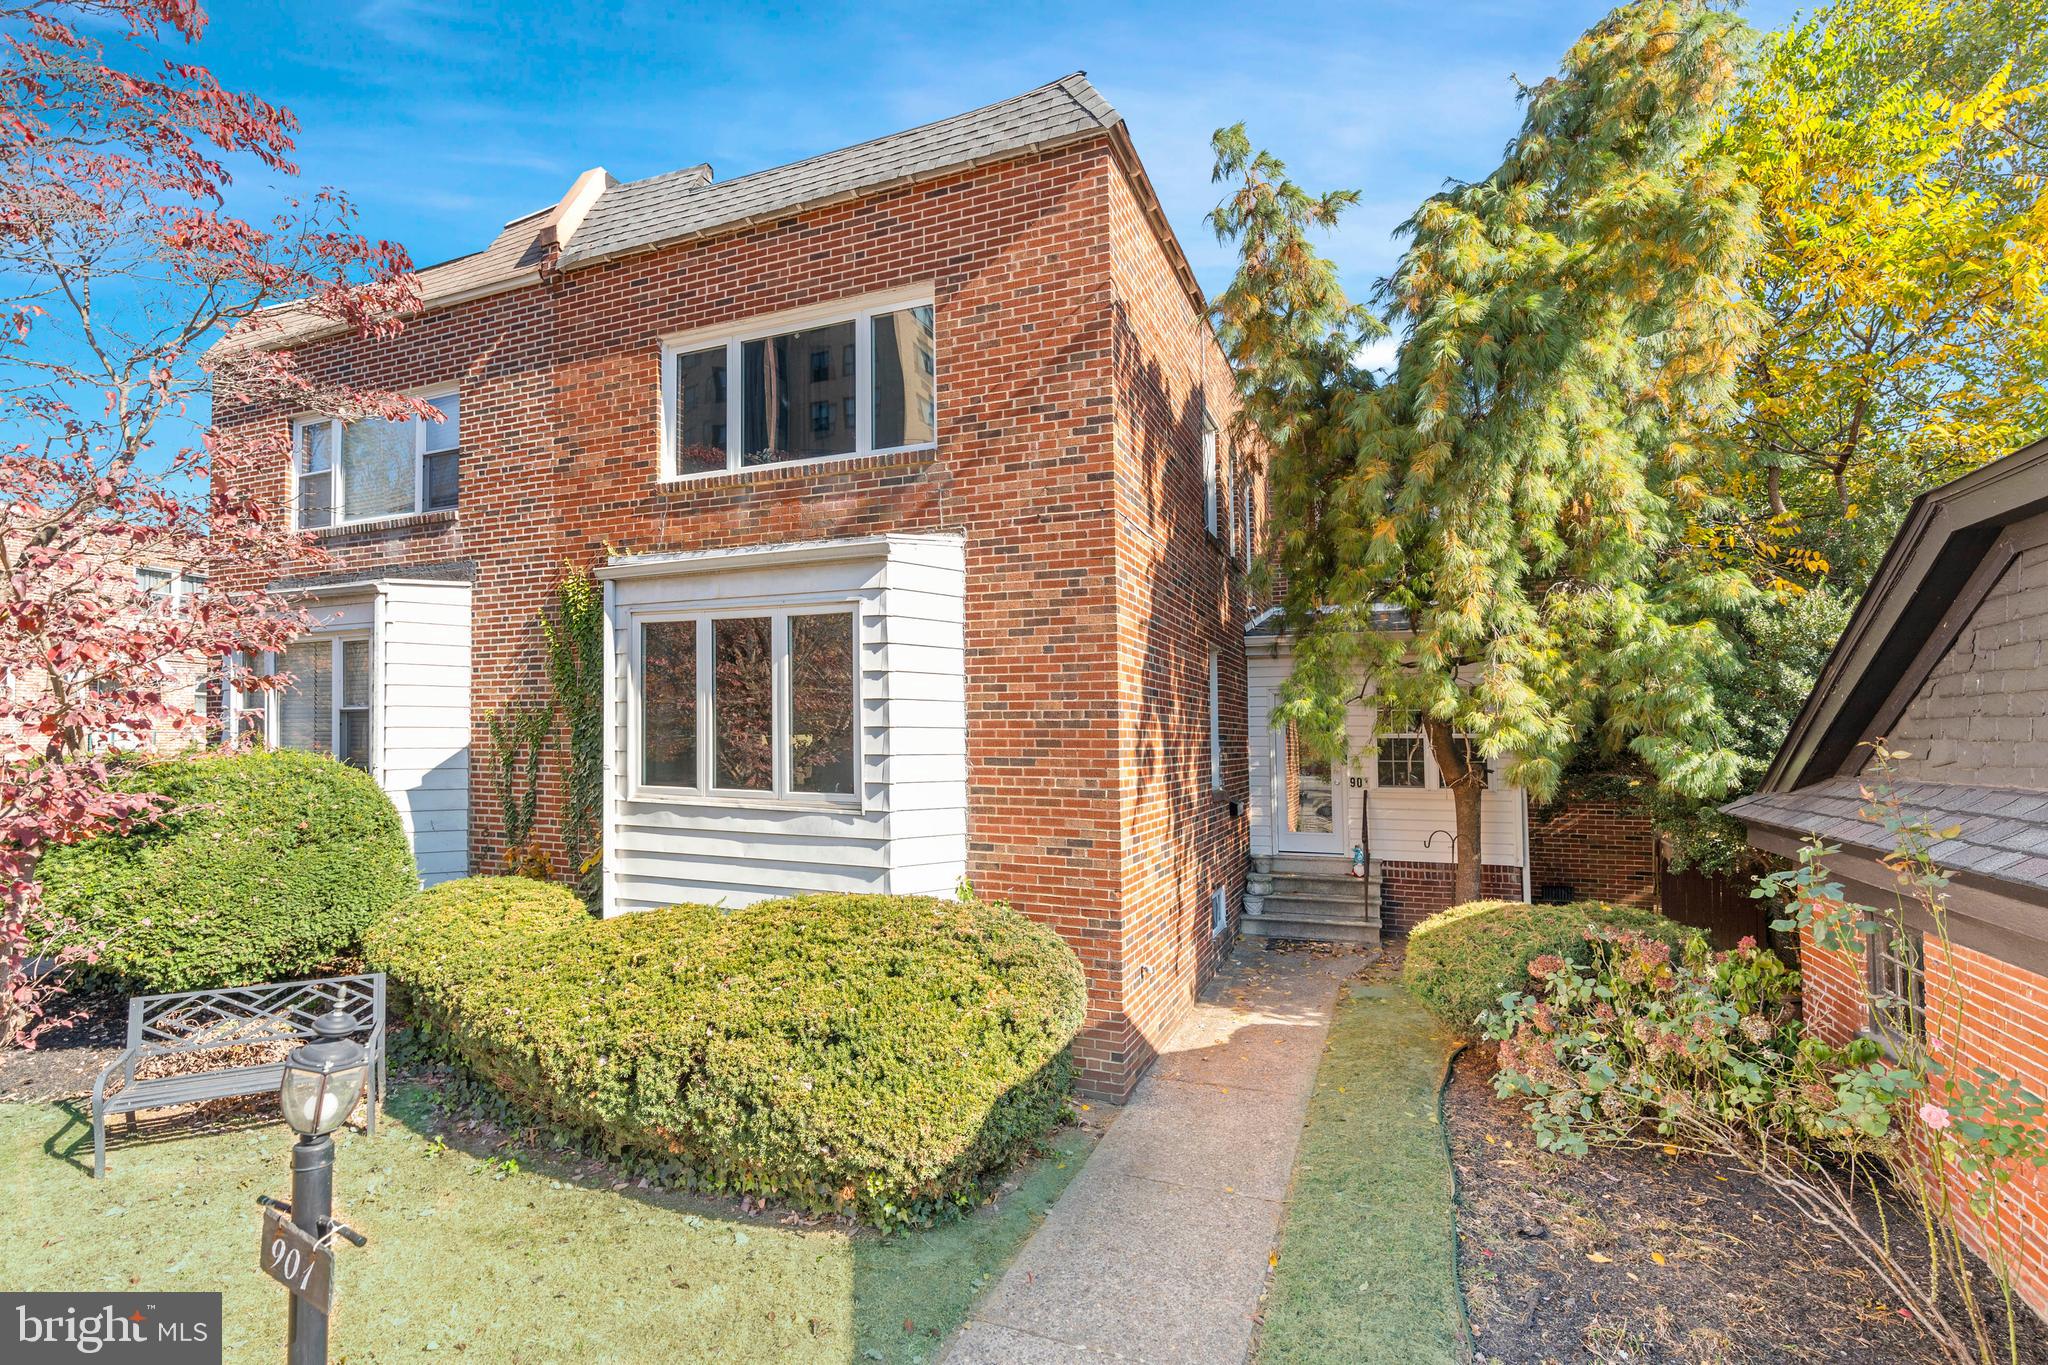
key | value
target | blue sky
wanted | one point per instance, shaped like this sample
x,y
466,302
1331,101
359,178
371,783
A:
x,y
444,120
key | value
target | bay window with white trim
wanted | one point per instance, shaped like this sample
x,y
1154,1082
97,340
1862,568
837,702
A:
x,y
346,473
751,703
856,378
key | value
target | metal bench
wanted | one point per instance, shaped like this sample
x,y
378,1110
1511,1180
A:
x,y
193,1022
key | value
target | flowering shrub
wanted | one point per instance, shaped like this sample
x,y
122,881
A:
x,y
1705,1052
1645,1041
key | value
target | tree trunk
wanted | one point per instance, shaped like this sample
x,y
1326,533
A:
x,y
1467,781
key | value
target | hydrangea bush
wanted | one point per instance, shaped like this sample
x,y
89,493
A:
x,y
1705,1052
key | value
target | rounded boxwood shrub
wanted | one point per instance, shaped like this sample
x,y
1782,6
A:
x,y
875,1055
1461,961
265,866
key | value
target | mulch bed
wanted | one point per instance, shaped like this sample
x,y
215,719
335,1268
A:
x,y
65,1060
1559,1257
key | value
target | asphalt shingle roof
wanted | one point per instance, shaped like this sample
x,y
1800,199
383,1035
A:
x,y
682,204
2001,832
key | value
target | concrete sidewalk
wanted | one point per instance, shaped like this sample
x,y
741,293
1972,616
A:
x,y
1160,1247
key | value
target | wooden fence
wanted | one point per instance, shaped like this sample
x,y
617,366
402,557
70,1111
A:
x,y
1722,906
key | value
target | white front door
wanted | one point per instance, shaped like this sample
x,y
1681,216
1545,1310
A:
x,y
1311,797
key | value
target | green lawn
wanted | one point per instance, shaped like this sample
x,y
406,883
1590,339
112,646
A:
x,y
469,1260
1367,1268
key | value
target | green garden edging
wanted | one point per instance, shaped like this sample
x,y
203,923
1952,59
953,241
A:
x,y
1367,1264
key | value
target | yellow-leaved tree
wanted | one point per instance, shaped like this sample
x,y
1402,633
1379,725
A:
x,y
1899,149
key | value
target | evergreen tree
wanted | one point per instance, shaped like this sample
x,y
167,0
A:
x,y
1573,324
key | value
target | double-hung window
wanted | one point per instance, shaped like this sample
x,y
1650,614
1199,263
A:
x,y
1215,722
347,472
171,588
763,703
326,709
853,381
1209,508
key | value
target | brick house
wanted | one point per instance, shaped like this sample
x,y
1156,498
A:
x,y
922,550
1945,658
187,682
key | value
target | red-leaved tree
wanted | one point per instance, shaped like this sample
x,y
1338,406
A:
x,y
127,290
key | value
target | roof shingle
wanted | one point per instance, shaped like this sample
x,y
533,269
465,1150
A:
x,y
668,208
2000,832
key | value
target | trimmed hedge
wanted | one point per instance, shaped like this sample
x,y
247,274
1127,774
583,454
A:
x,y
876,1055
267,866
1461,961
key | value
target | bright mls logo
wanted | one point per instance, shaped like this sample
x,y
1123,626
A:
x,y
148,1329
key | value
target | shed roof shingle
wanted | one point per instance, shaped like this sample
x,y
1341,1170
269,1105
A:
x,y
2001,832
668,208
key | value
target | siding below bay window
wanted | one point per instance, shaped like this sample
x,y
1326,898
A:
x,y
904,828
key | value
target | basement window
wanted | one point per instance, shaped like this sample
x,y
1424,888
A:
x,y
1891,963
820,384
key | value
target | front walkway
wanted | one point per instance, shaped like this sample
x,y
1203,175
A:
x,y
1160,1247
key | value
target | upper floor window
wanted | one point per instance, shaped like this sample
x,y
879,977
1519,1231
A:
x,y
1209,508
372,469
825,383
173,588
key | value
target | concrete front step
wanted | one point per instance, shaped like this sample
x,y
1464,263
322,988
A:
x,y
1308,864
1311,930
1356,907
1321,887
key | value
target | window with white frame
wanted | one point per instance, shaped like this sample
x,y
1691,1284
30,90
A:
x,y
1208,471
173,588
1402,759
349,472
763,702
326,707
1215,722
832,383
1891,964
1229,501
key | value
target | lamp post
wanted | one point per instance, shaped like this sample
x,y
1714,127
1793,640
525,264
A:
x,y
323,1079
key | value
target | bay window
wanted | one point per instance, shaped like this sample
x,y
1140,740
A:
x,y
850,382
347,472
760,702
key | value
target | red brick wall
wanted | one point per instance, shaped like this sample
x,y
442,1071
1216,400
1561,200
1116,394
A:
x,y
1411,892
560,394
1981,1011
1604,849
1179,596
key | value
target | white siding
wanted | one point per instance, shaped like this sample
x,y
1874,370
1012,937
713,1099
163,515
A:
x,y
1400,821
906,832
422,650
419,705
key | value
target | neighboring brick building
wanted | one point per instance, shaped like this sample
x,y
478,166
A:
x,y
188,682
893,462
1946,658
